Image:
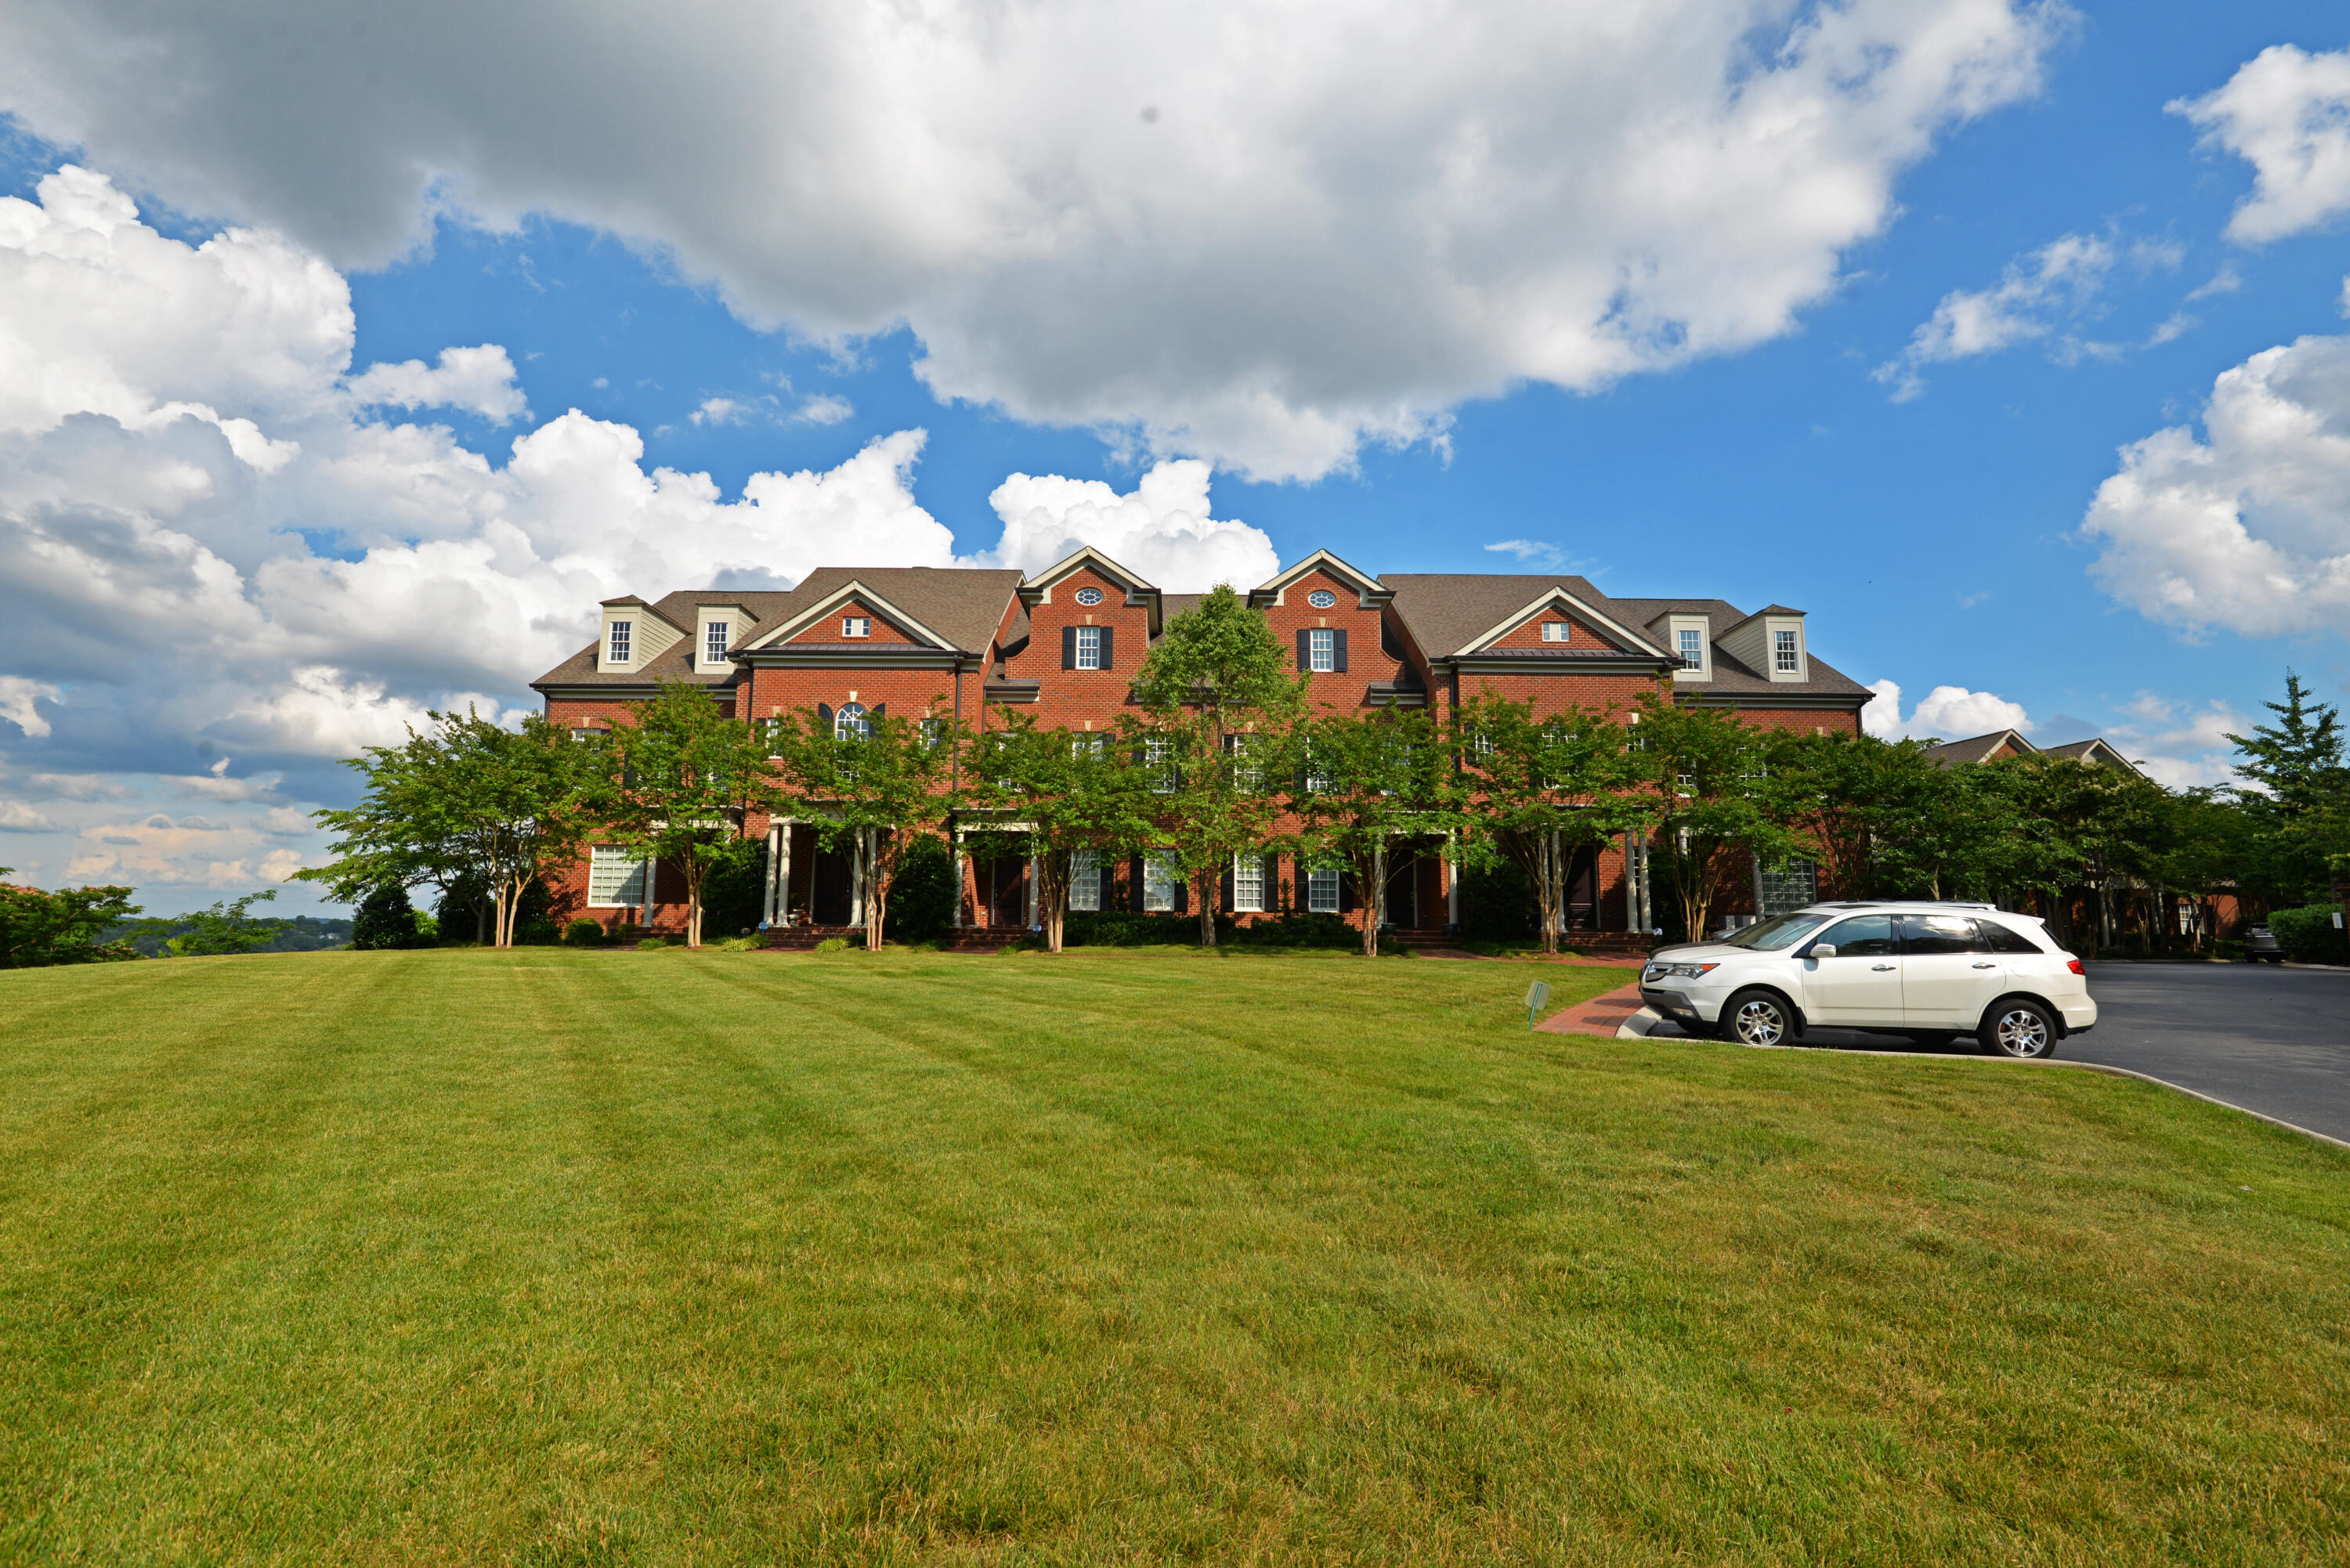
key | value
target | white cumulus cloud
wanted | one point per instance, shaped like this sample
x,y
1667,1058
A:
x,y
17,696
479,380
1262,234
1947,713
2286,112
2246,527
1162,528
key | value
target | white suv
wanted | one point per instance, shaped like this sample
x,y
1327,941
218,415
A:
x,y
1932,971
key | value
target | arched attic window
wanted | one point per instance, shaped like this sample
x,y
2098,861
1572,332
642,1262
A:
x,y
849,723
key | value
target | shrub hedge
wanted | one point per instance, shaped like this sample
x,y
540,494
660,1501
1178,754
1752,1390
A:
x,y
2310,936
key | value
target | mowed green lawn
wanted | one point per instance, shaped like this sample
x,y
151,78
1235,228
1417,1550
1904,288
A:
x,y
548,1257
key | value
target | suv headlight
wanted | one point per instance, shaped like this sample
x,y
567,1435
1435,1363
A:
x,y
1678,970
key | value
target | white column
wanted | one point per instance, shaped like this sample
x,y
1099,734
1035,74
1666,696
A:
x,y
1031,890
962,893
856,882
775,852
1451,882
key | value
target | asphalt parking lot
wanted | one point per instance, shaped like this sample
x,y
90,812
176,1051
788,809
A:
x,y
2272,1040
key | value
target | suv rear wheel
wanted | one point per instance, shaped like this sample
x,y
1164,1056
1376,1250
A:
x,y
2018,1028
1756,1018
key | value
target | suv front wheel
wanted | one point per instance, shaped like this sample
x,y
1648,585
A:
x,y
1756,1018
2020,1029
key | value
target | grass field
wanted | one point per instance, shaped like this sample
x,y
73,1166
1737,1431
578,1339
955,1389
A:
x,y
556,1257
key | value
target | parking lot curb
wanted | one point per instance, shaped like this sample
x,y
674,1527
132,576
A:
x,y
1643,1023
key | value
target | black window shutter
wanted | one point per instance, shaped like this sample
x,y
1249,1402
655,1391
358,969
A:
x,y
1346,892
1304,650
874,713
1224,890
824,716
1134,882
1182,894
1338,652
1068,647
1272,899
1104,647
1108,883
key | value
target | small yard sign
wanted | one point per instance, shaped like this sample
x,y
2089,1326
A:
x,y
1537,995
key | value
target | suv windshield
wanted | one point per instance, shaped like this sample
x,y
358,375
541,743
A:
x,y
1780,931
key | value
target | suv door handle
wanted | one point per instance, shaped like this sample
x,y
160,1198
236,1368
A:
x,y
1879,968
1986,966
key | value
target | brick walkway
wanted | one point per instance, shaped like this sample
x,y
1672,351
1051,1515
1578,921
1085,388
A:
x,y
1602,1015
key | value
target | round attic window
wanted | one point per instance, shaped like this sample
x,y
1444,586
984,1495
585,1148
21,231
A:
x,y
1321,599
1089,595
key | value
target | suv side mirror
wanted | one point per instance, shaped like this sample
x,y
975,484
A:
x,y
1820,949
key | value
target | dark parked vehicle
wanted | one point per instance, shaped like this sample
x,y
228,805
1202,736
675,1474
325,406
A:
x,y
2261,946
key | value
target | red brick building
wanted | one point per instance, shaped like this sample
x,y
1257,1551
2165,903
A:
x,y
1065,644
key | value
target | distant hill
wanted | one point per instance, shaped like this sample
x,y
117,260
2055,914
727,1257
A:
x,y
294,934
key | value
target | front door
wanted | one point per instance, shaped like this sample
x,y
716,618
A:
x,y
1861,986
1403,889
1578,907
828,905
1009,905
1947,978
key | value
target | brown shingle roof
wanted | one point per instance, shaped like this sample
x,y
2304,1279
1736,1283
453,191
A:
x,y
963,605
1979,748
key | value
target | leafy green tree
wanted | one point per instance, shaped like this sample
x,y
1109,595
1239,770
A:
x,y
1062,793
2296,794
679,782
467,798
386,919
1368,780
224,930
875,786
1543,789
40,929
1724,796
1222,703
1847,789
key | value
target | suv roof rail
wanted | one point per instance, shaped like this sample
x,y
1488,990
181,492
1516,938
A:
x,y
1909,904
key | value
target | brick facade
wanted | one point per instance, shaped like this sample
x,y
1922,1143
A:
x,y
955,642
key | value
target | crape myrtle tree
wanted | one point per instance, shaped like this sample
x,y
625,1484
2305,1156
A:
x,y
1221,700
1722,797
677,784
1363,781
466,798
1541,790
873,783
1065,794
39,928
1843,788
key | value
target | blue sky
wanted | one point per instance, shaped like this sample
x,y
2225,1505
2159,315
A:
x,y
1934,532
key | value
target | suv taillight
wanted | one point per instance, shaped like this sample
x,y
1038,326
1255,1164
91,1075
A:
x,y
2074,965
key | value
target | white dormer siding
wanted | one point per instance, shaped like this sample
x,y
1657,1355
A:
x,y
1772,644
733,618
1685,634
646,638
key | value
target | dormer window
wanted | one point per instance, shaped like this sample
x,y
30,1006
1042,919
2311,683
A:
x,y
1785,660
1689,639
1692,649
715,636
856,626
1556,631
619,633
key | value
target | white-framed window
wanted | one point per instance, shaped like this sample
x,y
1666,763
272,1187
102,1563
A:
x,y
1248,883
1084,880
1158,755
620,633
850,722
715,636
1692,649
856,626
1322,651
1784,656
1089,595
1088,648
1248,765
616,877
1159,880
1089,745
1322,892
1789,888
1321,599
1556,631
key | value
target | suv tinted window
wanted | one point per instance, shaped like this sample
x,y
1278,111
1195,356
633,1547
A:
x,y
1924,934
1999,938
1863,935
